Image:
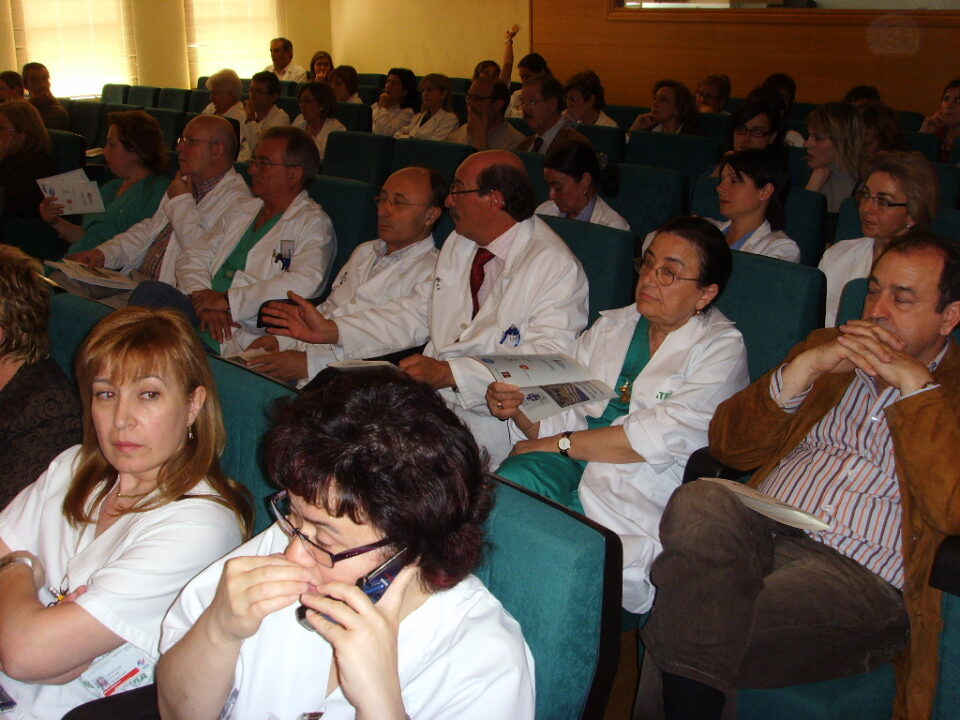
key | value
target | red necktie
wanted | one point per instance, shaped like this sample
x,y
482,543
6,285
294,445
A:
x,y
482,257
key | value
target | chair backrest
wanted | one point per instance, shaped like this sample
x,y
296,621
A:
x,y
649,197
947,223
926,143
87,119
910,121
289,105
521,125
355,116
33,236
375,79
248,401
805,214
797,162
146,95
443,156
774,303
691,155
460,85
358,156
703,198
202,82
349,203
559,575
111,108
199,99
607,140
624,115
606,255
368,93
533,162
289,88
954,158
68,150
114,93
174,99
715,125
800,110
171,122
949,177
459,101
71,319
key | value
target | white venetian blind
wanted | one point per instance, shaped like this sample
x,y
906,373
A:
x,y
84,43
231,34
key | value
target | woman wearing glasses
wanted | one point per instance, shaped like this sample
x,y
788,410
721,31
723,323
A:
x,y
95,551
318,114
671,359
901,192
375,470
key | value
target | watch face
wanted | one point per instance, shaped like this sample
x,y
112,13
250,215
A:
x,y
564,443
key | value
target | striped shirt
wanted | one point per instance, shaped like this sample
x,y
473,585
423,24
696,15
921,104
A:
x,y
844,472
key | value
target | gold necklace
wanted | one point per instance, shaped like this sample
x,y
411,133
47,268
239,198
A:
x,y
131,496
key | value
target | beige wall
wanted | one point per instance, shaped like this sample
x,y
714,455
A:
x,y
448,36
306,23
161,43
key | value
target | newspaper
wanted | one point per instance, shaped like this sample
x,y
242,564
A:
x,y
93,276
78,194
772,508
549,383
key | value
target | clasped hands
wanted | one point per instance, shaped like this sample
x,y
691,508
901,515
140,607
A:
x,y
213,310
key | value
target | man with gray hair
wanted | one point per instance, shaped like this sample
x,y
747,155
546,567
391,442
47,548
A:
x,y
281,52
504,283
542,102
205,188
259,249
226,91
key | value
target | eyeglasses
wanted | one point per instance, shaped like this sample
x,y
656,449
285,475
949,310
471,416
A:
x,y
454,191
290,522
265,163
756,132
395,202
478,98
878,200
531,103
665,276
193,141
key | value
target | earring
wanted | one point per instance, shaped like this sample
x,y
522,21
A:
x,y
190,432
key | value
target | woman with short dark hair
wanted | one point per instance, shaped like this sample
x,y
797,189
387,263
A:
x,y
671,358
377,474
945,122
318,113
24,158
345,83
397,103
585,100
321,65
135,154
574,175
674,110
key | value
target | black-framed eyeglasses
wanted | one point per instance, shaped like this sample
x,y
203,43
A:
x,y
265,163
453,190
756,132
878,200
665,276
290,522
194,141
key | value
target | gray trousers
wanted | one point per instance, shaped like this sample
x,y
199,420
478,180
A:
x,y
743,601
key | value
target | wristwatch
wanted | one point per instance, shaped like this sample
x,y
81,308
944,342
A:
x,y
563,444
22,559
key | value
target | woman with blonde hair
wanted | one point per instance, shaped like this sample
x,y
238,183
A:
x,y
436,119
94,552
24,159
901,192
834,152
135,154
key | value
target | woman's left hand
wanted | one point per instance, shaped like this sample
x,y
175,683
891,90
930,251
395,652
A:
x,y
364,639
545,444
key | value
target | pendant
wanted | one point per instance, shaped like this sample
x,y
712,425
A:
x,y
625,393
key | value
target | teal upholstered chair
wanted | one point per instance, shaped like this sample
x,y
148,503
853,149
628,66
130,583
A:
x,y
649,196
174,99
799,170
349,203
774,303
375,79
358,156
926,143
520,125
800,110
114,93
144,95
607,140
33,236
954,158
355,116
607,257
715,125
910,120
691,155
199,99
171,123
68,150
202,82
71,318
86,119
949,178
558,574
624,115
533,162
443,156
289,105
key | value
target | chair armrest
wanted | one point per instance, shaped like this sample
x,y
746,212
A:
x,y
702,464
945,574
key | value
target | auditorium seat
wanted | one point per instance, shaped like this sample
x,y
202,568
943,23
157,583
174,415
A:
x,y
949,177
289,105
624,115
910,121
691,155
715,125
199,99
521,125
374,79
607,140
442,156
68,150
114,93
946,222
145,95
797,162
925,143
606,255
355,116
358,156
174,99
533,162
368,93
171,122
86,119
649,197
202,82
460,85
800,110
288,88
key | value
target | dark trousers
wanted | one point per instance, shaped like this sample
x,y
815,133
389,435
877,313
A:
x,y
139,704
156,294
743,601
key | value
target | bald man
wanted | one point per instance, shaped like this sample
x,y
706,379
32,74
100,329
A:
x,y
205,187
505,283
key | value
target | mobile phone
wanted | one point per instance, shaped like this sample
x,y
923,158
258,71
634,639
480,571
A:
x,y
262,322
374,584
7,703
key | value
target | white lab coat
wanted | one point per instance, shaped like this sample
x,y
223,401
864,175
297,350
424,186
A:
x,y
126,250
329,125
842,262
354,290
763,241
538,304
671,404
251,130
602,214
437,127
262,278
235,111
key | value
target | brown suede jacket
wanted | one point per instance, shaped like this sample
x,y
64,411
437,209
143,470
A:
x,y
564,135
750,431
